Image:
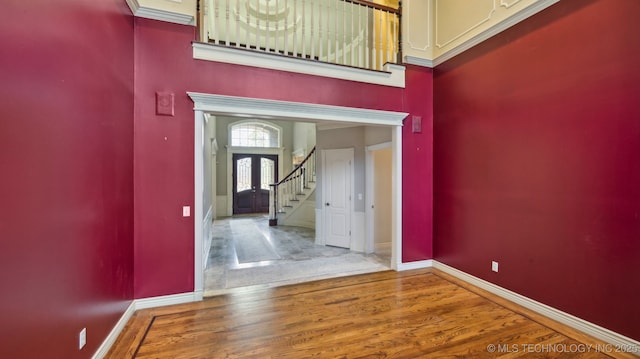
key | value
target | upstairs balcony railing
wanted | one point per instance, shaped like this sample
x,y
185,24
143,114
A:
x,y
354,33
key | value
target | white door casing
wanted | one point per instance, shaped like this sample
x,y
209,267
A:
x,y
254,107
337,196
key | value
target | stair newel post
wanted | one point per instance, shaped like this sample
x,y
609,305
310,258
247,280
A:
x,y
273,204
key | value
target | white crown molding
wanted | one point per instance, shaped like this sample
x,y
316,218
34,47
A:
x,y
567,319
393,75
161,15
494,30
269,109
490,32
413,60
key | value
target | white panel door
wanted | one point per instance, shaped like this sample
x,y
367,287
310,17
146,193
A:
x,y
337,194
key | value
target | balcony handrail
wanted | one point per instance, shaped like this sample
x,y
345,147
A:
x,y
373,5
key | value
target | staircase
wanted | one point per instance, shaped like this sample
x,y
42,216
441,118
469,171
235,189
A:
x,y
290,198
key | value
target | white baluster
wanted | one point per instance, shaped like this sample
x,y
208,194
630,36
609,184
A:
x,y
311,32
237,17
321,39
352,38
247,30
304,30
335,33
258,26
381,42
215,12
390,31
295,28
285,35
277,20
227,23
267,31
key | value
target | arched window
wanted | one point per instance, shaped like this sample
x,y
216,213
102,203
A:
x,y
254,134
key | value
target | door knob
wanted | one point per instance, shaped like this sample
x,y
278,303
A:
x,y
326,204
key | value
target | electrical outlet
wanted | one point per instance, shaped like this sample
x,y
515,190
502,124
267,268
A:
x,y
82,338
494,266
186,211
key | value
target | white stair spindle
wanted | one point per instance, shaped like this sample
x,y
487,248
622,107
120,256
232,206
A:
x,y
311,30
236,11
321,39
295,29
227,23
352,37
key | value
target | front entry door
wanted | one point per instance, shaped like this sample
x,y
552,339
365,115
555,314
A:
x,y
252,175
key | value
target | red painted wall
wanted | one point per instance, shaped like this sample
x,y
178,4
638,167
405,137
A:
x,y
537,138
417,167
66,131
163,150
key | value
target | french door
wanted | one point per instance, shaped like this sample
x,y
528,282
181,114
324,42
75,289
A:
x,y
252,175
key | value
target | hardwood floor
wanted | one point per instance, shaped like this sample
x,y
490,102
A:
x,y
413,314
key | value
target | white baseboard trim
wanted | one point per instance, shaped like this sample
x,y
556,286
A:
x,y
415,265
144,303
161,301
115,332
567,319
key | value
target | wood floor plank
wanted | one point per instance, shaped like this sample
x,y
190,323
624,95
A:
x,y
409,314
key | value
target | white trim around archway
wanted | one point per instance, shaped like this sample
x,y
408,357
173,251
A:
x,y
271,109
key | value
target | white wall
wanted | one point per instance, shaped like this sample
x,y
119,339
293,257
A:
x,y
304,137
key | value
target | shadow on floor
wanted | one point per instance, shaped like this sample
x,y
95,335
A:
x,y
246,252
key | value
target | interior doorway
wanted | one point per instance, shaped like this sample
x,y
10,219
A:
x,y
252,175
262,108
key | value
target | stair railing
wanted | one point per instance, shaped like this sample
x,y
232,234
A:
x,y
284,194
356,33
